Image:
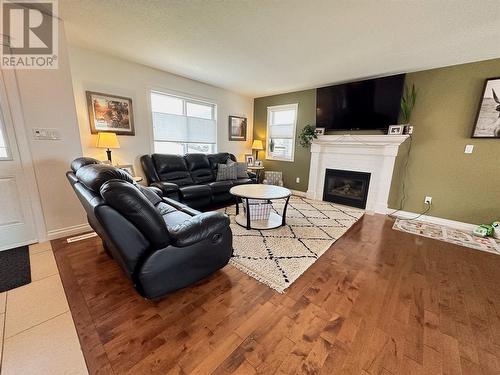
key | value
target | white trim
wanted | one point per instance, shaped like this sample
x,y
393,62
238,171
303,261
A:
x,y
467,227
68,231
294,106
298,193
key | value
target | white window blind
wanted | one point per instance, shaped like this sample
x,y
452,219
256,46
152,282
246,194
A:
x,y
182,125
281,127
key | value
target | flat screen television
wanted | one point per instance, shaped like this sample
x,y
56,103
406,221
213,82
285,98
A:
x,y
369,104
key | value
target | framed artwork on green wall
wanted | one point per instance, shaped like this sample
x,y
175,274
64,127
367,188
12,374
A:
x,y
488,115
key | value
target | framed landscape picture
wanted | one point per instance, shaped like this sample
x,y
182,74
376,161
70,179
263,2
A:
x,y
110,113
237,128
488,115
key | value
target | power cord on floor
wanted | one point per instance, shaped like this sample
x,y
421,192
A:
x,y
403,188
413,218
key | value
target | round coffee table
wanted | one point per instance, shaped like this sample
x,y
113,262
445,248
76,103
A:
x,y
261,192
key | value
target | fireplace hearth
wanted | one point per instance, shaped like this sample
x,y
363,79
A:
x,y
346,187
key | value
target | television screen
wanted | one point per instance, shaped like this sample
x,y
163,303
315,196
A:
x,y
369,104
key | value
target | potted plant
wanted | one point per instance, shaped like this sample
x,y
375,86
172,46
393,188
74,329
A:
x,y
306,135
407,104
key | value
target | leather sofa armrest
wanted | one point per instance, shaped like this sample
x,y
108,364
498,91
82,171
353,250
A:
x,y
200,227
167,188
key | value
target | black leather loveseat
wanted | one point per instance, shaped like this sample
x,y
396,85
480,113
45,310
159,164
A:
x,y
191,178
162,245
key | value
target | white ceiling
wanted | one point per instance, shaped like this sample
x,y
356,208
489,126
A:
x,y
263,47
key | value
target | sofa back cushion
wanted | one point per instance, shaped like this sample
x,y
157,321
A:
x,y
172,168
199,167
93,176
219,158
131,203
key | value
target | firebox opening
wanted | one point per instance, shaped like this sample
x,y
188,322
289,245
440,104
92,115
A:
x,y
346,187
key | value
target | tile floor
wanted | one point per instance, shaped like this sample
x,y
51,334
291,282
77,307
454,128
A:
x,y
37,333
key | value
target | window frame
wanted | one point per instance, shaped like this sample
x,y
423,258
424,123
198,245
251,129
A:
x,y
185,99
274,108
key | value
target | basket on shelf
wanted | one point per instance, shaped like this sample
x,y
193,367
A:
x,y
259,209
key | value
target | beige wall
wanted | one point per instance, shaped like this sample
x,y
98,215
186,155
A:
x,y
47,102
95,71
464,187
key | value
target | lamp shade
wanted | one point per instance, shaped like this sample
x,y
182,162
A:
x,y
257,145
107,140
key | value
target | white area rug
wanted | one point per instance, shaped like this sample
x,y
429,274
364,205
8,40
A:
x,y
277,257
442,233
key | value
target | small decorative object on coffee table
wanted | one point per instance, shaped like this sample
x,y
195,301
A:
x,y
249,194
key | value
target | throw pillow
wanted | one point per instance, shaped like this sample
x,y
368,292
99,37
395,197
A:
x,y
227,172
242,170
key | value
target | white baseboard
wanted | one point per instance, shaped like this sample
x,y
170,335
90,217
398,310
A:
x,y
68,231
467,227
298,193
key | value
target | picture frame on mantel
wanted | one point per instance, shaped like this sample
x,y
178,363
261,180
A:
x,y
487,124
237,128
110,113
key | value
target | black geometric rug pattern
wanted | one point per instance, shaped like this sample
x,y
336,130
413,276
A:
x,y
277,257
15,268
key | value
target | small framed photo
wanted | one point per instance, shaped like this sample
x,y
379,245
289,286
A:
x,y
258,163
488,114
319,131
110,113
237,128
129,168
395,129
249,160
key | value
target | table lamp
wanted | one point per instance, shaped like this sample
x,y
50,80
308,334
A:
x,y
107,140
257,145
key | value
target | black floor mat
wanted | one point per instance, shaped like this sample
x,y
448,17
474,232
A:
x,y
15,268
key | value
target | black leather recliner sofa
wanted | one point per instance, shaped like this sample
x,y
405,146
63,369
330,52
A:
x,y
162,245
191,178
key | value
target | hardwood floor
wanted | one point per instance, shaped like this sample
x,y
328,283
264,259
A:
x,y
378,302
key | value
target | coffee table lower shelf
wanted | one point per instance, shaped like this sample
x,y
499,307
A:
x,y
274,221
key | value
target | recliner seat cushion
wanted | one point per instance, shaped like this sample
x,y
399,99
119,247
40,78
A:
x,y
175,218
199,167
172,168
219,187
242,181
195,192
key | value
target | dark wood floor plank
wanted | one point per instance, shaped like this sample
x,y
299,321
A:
x,y
378,302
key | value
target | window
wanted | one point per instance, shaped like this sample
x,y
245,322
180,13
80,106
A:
x,y
182,125
281,125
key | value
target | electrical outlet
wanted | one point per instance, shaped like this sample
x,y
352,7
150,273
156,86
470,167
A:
x,y
469,149
428,200
297,180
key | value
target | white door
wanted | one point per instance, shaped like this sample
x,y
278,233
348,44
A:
x,y
16,217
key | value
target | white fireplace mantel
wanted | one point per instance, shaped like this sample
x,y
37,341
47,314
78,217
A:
x,y
374,154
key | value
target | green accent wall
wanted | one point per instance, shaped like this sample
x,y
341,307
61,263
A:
x,y
464,187
306,115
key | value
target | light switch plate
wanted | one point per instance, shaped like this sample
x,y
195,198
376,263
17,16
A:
x,y
46,134
469,149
